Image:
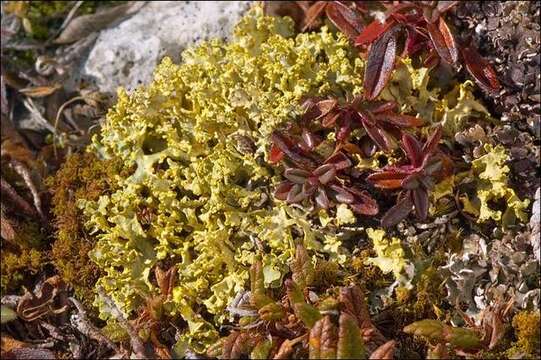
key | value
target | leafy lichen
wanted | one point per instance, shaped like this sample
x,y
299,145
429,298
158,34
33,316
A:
x,y
206,198
492,173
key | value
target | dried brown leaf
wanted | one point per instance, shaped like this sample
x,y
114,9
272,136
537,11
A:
x,y
82,26
40,91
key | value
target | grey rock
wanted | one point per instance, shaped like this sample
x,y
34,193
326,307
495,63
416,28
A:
x,y
126,55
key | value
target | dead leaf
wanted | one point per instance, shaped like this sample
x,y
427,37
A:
x,y
82,26
40,91
41,302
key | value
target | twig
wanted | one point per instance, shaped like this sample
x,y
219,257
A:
x,y
137,345
25,174
81,322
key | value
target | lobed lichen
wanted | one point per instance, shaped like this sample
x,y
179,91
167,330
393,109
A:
x,y
205,194
197,192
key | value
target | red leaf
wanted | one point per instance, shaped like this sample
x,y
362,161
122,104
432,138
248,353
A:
x,y
293,151
342,195
313,13
365,204
339,160
282,190
297,176
275,154
397,213
412,148
414,42
400,120
432,142
388,106
345,19
325,173
382,139
373,31
480,70
326,106
420,200
380,64
330,119
321,199
387,179
443,41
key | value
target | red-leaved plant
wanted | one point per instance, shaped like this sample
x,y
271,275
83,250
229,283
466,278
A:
x,y
423,27
415,179
379,119
324,183
413,26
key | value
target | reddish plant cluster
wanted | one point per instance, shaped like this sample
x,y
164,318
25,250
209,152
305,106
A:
x,y
412,26
320,171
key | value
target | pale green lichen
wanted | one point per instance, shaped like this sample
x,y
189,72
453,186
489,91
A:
x,y
204,195
492,174
410,86
390,254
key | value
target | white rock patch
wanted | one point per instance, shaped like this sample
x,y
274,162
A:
x,y
127,54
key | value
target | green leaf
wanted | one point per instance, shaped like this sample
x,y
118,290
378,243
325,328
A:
x,y
350,342
261,350
463,338
302,268
431,329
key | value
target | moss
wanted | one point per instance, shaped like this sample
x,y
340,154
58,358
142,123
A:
x,y
527,332
83,176
16,267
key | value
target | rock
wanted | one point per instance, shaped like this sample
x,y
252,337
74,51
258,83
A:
x,y
127,54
